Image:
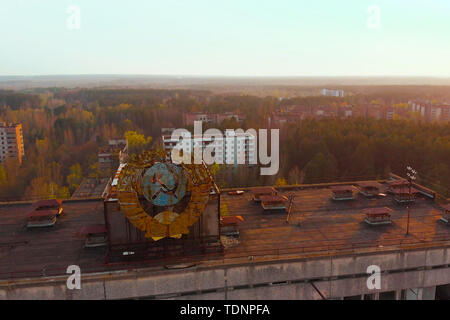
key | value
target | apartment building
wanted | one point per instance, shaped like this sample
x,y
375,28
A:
x,y
431,112
379,112
235,147
11,141
210,118
445,113
332,93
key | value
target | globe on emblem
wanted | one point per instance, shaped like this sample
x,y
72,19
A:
x,y
164,184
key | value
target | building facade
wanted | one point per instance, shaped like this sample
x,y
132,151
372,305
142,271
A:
x,y
332,93
11,142
234,147
210,118
431,112
112,154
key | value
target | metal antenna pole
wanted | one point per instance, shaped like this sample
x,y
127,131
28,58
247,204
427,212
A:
x,y
411,173
407,223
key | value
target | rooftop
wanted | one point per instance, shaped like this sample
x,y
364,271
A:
x,y
401,182
342,188
263,190
276,198
378,211
318,226
47,251
42,213
93,229
405,190
47,203
370,184
92,188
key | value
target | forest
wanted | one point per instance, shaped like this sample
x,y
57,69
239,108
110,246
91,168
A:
x,y
64,129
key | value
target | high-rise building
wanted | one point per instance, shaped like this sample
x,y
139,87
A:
x,y
11,141
233,148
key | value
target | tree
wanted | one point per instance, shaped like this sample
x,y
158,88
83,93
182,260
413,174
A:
x,y
136,142
321,168
75,176
39,188
362,162
440,175
295,176
63,193
95,171
214,169
281,182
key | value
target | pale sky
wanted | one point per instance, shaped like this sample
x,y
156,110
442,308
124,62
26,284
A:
x,y
226,37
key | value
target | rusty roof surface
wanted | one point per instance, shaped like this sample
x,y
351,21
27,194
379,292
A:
x,y
317,226
47,203
48,250
342,188
276,198
91,188
42,213
263,190
401,182
370,184
231,220
405,190
93,229
378,210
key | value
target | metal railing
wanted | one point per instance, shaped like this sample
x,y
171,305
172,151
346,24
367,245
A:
x,y
232,257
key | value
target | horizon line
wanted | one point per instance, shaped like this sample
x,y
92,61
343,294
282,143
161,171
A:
x,y
223,76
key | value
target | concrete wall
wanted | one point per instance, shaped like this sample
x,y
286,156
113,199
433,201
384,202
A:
x,y
335,277
210,217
